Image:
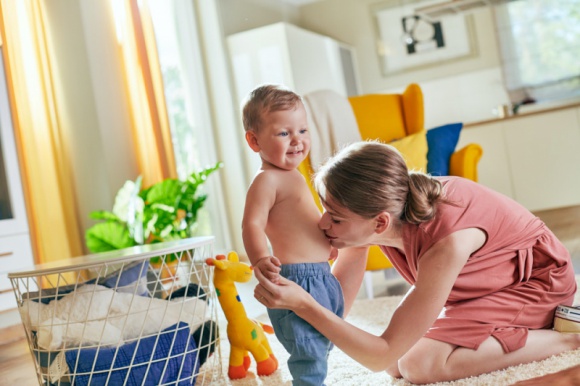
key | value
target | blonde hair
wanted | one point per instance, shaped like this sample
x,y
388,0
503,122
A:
x,y
368,178
266,99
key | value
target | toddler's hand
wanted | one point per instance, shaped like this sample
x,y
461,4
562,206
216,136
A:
x,y
269,267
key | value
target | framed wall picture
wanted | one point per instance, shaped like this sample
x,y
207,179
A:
x,y
408,41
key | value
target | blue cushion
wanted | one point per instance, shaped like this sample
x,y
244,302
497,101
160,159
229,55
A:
x,y
441,142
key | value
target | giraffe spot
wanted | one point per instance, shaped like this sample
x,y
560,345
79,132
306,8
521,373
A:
x,y
238,298
217,291
254,334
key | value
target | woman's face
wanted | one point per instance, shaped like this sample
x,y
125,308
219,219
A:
x,y
344,228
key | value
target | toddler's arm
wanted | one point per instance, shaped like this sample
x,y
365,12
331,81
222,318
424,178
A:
x,y
259,200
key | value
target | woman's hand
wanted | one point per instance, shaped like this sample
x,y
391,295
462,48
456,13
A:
x,y
285,294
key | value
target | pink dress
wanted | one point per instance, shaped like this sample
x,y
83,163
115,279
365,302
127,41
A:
x,y
510,285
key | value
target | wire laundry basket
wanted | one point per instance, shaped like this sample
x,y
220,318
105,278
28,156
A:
x,y
145,315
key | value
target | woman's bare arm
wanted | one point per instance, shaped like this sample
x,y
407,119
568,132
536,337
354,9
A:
x,y
349,269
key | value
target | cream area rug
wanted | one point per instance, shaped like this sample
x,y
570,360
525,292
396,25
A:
x,y
373,315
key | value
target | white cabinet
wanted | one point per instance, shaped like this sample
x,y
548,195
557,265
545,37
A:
x,y
533,159
15,250
544,159
302,60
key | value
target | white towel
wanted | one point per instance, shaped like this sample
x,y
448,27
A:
x,y
332,124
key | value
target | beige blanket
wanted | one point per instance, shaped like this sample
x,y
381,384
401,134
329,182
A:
x,y
331,122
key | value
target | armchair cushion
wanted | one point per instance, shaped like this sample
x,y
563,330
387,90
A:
x,y
441,142
464,161
414,150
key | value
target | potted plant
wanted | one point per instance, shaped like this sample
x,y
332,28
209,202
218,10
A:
x,y
164,211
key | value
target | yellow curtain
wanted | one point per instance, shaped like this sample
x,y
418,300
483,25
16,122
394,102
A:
x,y
44,159
146,95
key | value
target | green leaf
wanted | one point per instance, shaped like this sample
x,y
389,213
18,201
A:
x,y
166,192
108,236
198,178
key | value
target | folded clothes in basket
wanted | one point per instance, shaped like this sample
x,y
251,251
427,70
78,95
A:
x,y
96,315
168,357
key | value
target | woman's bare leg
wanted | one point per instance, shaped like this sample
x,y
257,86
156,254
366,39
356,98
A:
x,y
434,361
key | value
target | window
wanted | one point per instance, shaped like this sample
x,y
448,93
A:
x,y
179,55
180,109
539,42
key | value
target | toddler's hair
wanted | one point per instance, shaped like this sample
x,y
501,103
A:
x,y
266,99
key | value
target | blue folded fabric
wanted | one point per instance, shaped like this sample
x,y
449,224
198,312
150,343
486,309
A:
x,y
155,361
128,277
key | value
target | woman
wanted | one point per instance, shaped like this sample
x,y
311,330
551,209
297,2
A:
x,y
487,275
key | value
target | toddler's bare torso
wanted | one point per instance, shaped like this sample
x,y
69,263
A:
x,y
292,226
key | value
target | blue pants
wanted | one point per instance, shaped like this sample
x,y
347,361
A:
x,y
307,347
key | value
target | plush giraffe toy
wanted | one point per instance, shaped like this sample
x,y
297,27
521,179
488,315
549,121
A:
x,y
244,334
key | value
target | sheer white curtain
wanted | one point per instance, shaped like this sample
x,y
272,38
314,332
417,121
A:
x,y
201,111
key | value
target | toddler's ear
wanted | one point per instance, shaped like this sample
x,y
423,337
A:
x,y
252,141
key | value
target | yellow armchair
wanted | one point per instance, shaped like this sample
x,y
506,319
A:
x,y
390,117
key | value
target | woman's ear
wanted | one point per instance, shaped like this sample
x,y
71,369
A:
x,y
252,141
382,222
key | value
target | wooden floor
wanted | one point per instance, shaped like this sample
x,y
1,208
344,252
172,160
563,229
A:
x,y
17,368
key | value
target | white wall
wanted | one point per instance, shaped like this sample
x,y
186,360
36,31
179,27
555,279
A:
x,y
467,97
466,90
464,98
